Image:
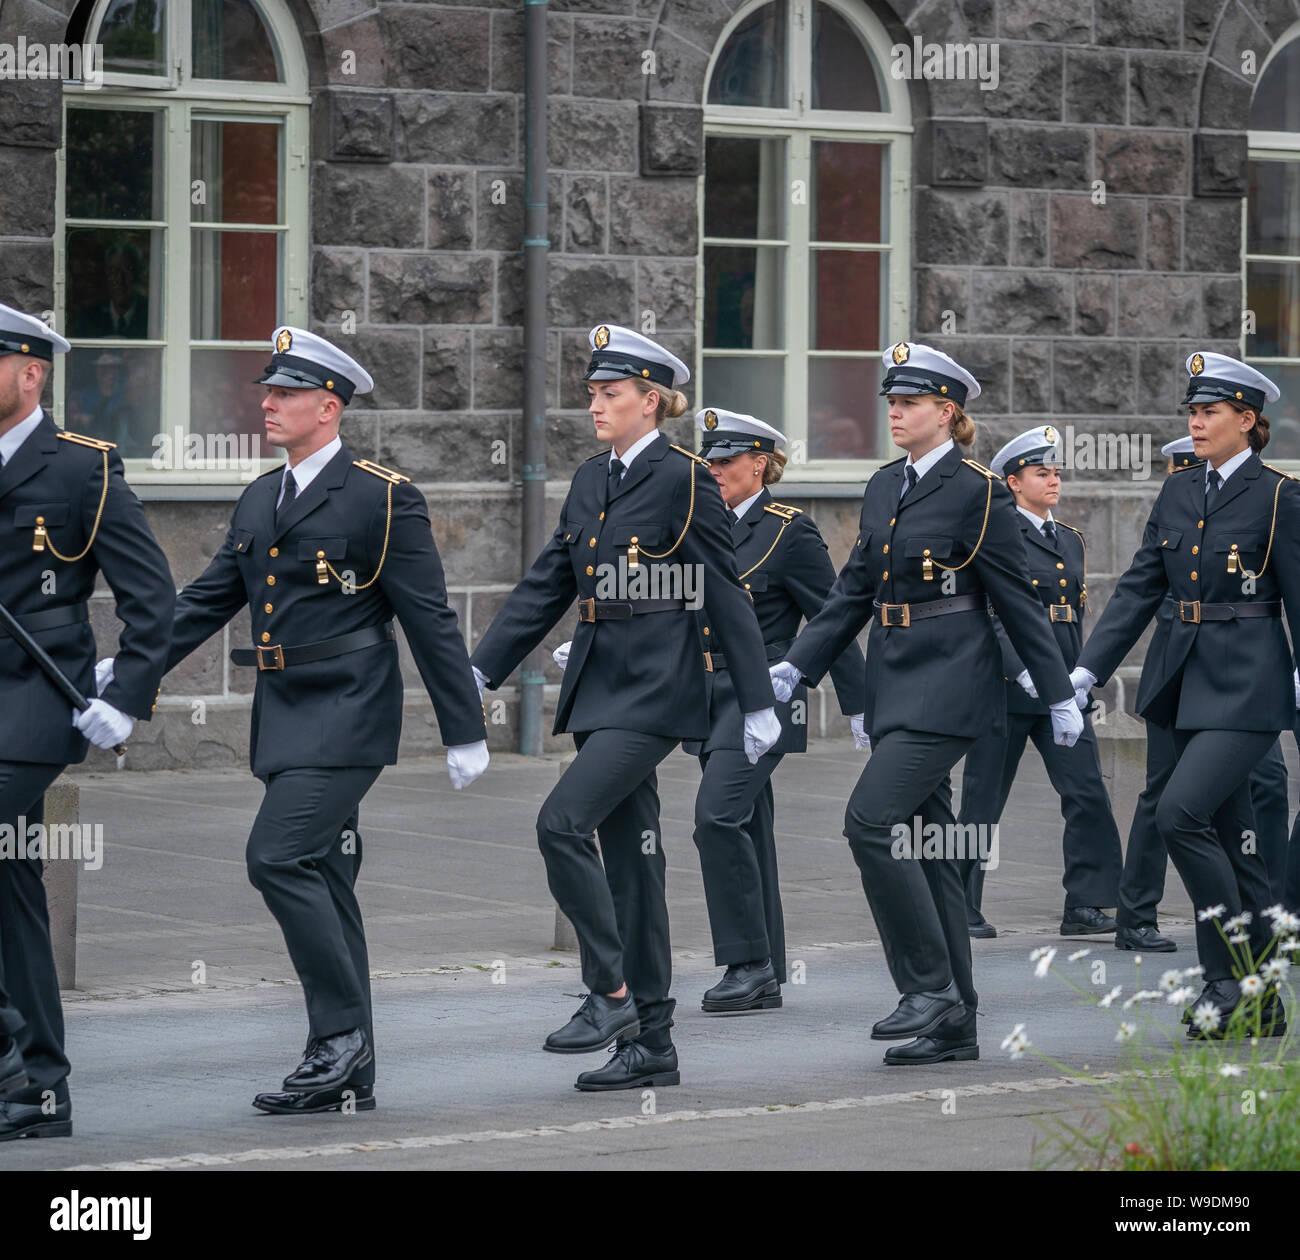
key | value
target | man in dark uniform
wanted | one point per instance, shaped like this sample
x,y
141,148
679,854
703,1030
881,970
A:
x,y
71,517
1058,572
325,552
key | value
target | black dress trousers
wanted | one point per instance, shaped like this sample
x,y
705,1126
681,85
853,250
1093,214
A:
x,y
1268,798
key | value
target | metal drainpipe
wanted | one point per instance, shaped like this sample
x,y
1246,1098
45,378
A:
x,y
536,247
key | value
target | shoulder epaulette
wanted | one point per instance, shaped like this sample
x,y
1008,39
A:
x,y
892,462
378,470
1200,463
783,510
1071,528
689,454
597,455
979,468
1280,473
81,440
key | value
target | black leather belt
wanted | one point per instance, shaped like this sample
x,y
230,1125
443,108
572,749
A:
x,y
905,614
1061,612
621,609
274,656
51,618
1194,611
714,661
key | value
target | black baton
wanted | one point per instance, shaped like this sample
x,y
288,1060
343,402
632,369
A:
x,y
42,658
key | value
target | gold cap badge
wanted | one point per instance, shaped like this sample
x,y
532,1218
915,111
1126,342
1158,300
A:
x,y
602,337
283,340
710,420
1198,364
1049,435
902,352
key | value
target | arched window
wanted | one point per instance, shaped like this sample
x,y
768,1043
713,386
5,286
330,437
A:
x,y
804,266
182,226
1271,259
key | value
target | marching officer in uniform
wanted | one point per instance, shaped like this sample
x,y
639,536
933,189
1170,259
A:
x,y
785,567
70,517
1058,570
1220,543
325,551
633,688
938,541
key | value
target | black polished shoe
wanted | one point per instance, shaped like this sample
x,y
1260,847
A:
x,y
331,1062
918,1014
1145,938
1085,921
953,1039
340,1098
1226,996
13,1075
597,1023
633,1066
30,1120
980,929
750,986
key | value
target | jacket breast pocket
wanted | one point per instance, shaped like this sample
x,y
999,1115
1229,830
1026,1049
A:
x,y
645,535
25,514
240,540
756,582
572,533
1170,539
1242,543
334,548
864,541
937,548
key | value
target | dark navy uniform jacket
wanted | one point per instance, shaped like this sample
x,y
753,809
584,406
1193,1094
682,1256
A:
x,y
1211,675
346,710
785,567
1059,575
60,478
944,674
643,673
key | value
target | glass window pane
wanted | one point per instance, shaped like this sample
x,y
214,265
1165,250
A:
x,y
114,282
114,392
844,73
846,300
1276,106
744,297
134,37
850,183
223,395
1273,208
846,417
1284,423
751,68
235,172
114,164
1273,293
744,187
230,41
753,384
236,284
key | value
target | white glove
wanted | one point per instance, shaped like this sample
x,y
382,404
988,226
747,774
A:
x,y
103,725
1067,723
762,730
1295,678
1083,681
561,654
1024,681
480,679
465,762
104,675
785,678
861,740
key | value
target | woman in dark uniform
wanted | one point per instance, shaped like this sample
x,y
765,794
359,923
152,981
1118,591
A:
x,y
785,567
1221,543
939,540
642,535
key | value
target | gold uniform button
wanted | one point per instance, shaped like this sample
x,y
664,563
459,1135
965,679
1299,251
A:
x,y
706,629
1035,581
602,516
591,542
275,551
885,575
1196,551
926,552
590,570
266,638
270,579
892,519
1059,565
1062,581
747,586
1200,524
1062,599
1194,575
885,549
268,607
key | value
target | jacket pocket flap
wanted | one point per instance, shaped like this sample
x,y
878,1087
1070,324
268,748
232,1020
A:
x,y
645,535
1244,542
755,581
240,539
53,513
334,548
937,547
1170,538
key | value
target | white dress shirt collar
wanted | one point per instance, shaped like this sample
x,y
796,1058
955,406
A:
x,y
16,436
1229,466
744,505
1038,521
929,459
634,450
305,470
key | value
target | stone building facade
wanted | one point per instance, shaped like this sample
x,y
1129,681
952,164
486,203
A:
x,y
1071,310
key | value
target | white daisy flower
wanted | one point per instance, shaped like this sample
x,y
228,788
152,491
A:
x,y
1238,921
1079,953
1289,945
1229,1069
1016,1042
1126,1030
1044,963
1286,924
1171,980
1211,912
1198,970
1238,938
1178,996
1273,911
1112,995
1251,985
1206,1016
1142,995
1275,969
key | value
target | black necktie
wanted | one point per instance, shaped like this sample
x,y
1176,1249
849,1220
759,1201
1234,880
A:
x,y
735,520
290,493
1049,532
910,474
615,476
1213,484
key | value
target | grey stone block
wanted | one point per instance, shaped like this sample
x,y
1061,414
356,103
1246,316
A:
x,y
499,369
608,58
937,292
666,290
1094,305
338,283
988,360
1030,80
1029,229
1138,23
361,125
500,199
1225,100
1163,89
1031,376
1093,377
582,137
440,50
1038,157
27,274
1223,314
430,289
653,218
470,129
355,55
1031,301
367,205
451,209
680,69
1164,235
1238,34
672,139
1161,375
585,211
969,228
1159,306
1096,237
31,170
392,357
1199,20
699,22
1047,21
1212,232
1219,167
1095,90
31,113
1143,162
449,446
508,53
580,286
446,372
959,152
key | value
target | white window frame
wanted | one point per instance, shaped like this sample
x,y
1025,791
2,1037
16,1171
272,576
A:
x,y
800,126
285,103
1269,146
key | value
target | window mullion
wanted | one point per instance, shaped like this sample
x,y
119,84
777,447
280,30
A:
x,y
176,210
799,147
